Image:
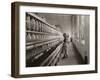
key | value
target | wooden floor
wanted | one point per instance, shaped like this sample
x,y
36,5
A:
x,y
72,57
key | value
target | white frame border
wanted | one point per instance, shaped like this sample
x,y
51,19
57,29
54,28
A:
x,y
54,69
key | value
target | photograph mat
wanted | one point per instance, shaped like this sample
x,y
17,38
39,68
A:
x,y
54,69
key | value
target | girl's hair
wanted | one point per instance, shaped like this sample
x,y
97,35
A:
x,y
65,35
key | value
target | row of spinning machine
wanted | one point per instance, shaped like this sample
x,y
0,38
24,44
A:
x,y
43,42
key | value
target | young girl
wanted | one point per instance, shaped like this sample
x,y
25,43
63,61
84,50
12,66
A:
x,y
65,43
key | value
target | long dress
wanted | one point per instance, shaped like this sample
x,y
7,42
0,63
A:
x,y
64,48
